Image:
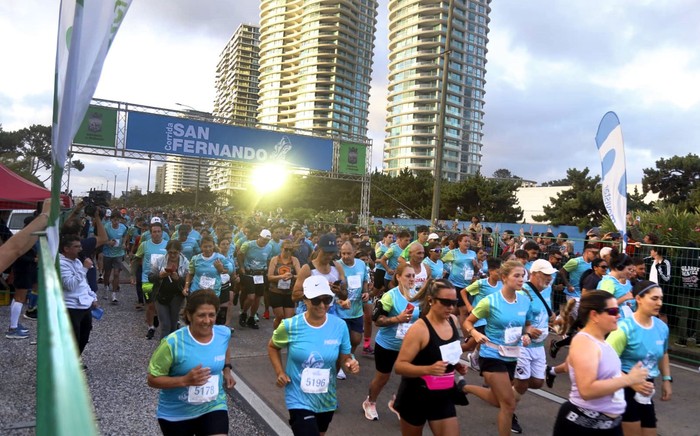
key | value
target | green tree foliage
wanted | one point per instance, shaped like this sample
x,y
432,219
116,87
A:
x,y
635,201
674,179
495,200
27,152
504,173
580,205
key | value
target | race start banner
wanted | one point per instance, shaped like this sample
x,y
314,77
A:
x,y
200,139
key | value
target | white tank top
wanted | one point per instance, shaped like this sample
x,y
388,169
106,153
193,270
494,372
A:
x,y
421,277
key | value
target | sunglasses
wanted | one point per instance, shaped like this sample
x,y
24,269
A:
x,y
436,250
603,266
325,300
447,302
173,252
612,311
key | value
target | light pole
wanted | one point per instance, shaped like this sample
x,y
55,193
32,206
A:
x,y
435,212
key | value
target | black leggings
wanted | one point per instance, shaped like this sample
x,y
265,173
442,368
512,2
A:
x,y
215,422
565,427
81,320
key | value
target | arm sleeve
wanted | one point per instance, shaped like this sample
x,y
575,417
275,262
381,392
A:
x,y
607,285
618,340
387,301
139,251
388,253
570,265
161,361
280,337
448,257
473,288
405,251
345,346
190,268
482,309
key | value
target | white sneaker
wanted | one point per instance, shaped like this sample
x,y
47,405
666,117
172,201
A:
x,y
473,359
341,375
370,409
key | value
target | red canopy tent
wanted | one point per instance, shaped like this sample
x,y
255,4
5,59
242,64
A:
x,y
19,193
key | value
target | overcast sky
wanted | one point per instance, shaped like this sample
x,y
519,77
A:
x,y
554,68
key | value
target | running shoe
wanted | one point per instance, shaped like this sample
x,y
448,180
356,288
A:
x,y
100,280
391,407
114,300
16,333
553,348
368,351
549,377
681,343
138,306
22,328
242,319
515,425
341,375
473,360
266,314
151,332
370,409
30,314
256,317
253,323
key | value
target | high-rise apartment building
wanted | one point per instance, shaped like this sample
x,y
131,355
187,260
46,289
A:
x,y
315,64
236,100
160,179
417,36
237,77
181,174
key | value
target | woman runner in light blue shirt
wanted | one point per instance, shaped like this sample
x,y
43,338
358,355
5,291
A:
x,y
643,337
316,344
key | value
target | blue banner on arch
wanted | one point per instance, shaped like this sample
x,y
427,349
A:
x,y
202,139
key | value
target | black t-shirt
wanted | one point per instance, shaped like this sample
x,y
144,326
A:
x,y
590,282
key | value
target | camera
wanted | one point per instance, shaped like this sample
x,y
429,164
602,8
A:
x,y
93,201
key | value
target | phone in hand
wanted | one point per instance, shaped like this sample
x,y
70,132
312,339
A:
x,y
337,282
410,307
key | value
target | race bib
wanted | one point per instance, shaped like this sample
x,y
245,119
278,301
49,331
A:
x,y
258,280
354,282
315,380
206,282
402,328
205,393
512,335
468,274
284,284
451,352
225,278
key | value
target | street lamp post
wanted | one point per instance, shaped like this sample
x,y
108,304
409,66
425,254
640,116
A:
x,y
435,212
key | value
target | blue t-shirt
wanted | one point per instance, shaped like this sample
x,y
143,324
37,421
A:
x,y
205,274
618,290
461,268
151,252
190,247
505,322
481,289
256,257
635,343
355,276
392,255
436,268
575,267
179,353
312,348
276,248
391,337
117,235
379,251
540,317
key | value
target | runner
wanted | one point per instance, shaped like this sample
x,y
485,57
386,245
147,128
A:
x,y
437,267
282,274
597,400
643,337
168,277
357,278
148,252
394,315
317,344
463,267
191,367
253,259
479,290
426,362
506,313
113,253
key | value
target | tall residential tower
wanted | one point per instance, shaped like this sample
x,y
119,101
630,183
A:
x,y
236,100
417,36
315,64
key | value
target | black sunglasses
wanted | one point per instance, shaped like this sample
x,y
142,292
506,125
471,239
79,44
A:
x,y
327,300
612,311
447,302
603,266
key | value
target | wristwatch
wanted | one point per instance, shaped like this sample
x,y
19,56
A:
x,y
229,366
667,378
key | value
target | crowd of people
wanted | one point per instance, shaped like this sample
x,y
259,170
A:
x,y
441,302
